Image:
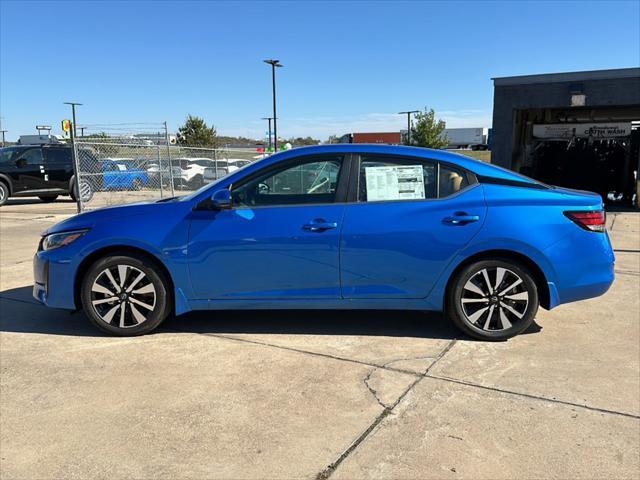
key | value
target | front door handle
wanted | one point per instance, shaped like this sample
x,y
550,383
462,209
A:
x,y
460,218
319,225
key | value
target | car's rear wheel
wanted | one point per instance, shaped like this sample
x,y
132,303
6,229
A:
x,y
4,193
137,184
493,299
126,295
86,191
48,198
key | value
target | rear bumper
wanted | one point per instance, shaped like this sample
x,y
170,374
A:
x,y
584,264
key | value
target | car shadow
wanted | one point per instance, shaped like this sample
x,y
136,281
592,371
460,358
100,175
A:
x,y
20,313
33,201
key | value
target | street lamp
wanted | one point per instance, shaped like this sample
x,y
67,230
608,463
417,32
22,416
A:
x,y
73,114
269,120
274,64
408,114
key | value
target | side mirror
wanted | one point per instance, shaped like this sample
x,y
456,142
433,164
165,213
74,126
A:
x,y
21,163
221,200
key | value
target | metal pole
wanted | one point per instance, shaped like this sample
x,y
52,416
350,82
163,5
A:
x,y
74,152
275,116
166,138
408,123
3,132
274,64
269,120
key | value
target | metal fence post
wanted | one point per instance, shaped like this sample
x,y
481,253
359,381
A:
x,y
160,169
166,139
76,168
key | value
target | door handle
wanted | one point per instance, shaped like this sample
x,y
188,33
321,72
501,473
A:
x,y
460,218
319,226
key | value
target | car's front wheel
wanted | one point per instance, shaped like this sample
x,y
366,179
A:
x,y
125,295
493,299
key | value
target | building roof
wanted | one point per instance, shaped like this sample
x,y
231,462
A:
x,y
612,74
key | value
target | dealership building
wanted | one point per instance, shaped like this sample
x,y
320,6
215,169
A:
x,y
578,129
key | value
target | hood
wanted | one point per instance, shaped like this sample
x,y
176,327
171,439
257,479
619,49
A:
x,y
92,218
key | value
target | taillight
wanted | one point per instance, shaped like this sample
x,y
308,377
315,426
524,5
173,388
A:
x,y
594,221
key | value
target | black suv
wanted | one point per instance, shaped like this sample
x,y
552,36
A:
x,y
43,171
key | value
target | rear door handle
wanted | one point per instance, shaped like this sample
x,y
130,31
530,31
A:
x,y
319,225
460,219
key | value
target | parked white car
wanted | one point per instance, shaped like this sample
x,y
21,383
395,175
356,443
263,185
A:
x,y
223,168
189,172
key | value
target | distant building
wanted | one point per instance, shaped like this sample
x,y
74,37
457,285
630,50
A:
x,y
391,138
577,129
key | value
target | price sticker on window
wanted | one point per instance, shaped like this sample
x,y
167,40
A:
x,y
398,182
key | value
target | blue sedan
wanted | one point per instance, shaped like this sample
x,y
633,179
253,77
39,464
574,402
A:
x,y
336,227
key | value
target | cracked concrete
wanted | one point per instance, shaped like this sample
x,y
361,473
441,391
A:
x,y
310,395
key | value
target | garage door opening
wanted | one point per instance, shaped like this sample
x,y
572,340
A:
x,y
602,158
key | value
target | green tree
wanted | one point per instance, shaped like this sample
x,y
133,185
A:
x,y
196,133
427,131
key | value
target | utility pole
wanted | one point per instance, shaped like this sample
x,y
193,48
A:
x,y
73,115
3,132
269,120
76,166
274,64
408,114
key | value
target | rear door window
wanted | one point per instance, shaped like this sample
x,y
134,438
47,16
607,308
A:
x,y
389,178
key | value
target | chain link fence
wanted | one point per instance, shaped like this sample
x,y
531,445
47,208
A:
x,y
115,171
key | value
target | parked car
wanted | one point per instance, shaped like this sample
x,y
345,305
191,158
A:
x,y
336,227
122,174
223,167
189,172
212,174
44,171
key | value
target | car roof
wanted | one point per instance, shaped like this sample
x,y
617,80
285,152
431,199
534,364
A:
x,y
475,166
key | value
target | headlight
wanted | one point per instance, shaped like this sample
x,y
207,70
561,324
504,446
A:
x,y
57,240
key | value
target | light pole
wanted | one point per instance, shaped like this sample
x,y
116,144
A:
x,y
408,114
73,115
3,132
269,120
274,64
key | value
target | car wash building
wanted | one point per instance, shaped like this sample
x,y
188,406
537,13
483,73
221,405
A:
x,y
577,130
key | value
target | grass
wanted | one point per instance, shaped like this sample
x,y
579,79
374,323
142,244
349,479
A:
x,y
482,155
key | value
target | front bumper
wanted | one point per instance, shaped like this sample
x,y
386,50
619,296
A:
x,y
53,281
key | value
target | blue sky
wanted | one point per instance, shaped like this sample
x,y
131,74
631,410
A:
x,y
349,66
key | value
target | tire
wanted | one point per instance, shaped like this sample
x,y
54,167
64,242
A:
x,y
197,182
136,185
147,302
48,198
4,193
85,188
489,313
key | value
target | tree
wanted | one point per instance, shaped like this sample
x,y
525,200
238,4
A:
x,y
427,131
196,133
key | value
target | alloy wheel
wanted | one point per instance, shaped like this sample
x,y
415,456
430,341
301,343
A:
x,y
494,299
123,296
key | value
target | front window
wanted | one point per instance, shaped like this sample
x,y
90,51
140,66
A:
x,y
8,153
314,181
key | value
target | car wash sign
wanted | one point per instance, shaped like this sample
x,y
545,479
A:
x,y
584,130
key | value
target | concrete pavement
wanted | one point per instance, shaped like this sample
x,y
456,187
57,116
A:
x,y
316,394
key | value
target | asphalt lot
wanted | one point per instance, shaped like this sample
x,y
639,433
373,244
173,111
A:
x,y
316,394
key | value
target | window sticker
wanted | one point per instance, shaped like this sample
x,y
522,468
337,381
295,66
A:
x,y
401,182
